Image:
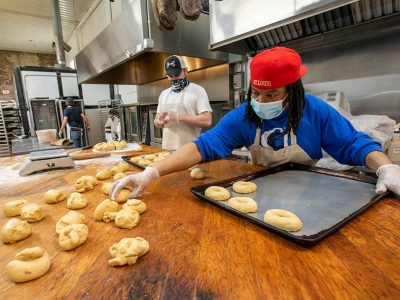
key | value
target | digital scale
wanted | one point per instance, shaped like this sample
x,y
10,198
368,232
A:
x,y
45,160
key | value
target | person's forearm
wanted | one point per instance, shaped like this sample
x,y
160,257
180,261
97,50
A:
x,y
201,121
64,123
183,158
375,159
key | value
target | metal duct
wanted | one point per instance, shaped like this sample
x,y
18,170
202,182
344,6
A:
x,y
366,16
58,35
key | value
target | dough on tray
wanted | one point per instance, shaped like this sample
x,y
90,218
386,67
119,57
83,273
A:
x,y
29,264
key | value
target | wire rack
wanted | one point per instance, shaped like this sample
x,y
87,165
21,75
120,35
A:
x,y
104,107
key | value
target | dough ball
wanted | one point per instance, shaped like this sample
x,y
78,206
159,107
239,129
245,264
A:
x,y
127,251
244,187
76,201
283,219
15,230
72,236
29,264
197,173
116,169
103,174
124,166
83,184
157,159
243,204
120,145
164,154
105,206
13,208
109,216
127,218
217,193
193,167
136,159
144,162
119,176
92,179
54,196
72,217
122,196
150,156
106,188
32,212
135,204
15,166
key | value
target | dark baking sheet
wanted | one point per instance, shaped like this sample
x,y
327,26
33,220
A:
x,y
128,157
323,199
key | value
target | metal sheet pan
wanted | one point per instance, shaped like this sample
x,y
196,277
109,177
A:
x,y
128,157
323,199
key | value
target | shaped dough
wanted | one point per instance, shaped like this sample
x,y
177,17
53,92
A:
x,y
76,201
105,206
72,236
144,162
32,212
83,184
92,179
72,217
127,251
136,159
29,264
122,196
15,230
123,166
197,173
106,187
109,216
103,174
13,208
127,218
54,196
136,204
116,169
157,159
119,176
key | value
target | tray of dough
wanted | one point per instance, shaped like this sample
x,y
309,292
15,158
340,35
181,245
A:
x,y
144,160
324,200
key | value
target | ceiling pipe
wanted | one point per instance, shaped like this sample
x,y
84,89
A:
x,y
58,35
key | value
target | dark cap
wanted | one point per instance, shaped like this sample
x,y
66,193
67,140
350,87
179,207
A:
x,y
69,100
174,64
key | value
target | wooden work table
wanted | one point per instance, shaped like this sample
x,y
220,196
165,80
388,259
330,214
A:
x,y
198,251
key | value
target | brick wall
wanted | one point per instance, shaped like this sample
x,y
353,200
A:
x,y
10,59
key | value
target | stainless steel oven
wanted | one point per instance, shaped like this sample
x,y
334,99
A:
x,y
155,133
42,115
135,124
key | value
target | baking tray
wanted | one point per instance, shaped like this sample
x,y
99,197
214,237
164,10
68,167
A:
x,y
323,199
128,157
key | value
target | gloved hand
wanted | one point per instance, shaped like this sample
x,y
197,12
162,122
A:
x,y
171,117
138,181
159,121
60,134
389,179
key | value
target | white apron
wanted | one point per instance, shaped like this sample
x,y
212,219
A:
x,y
177,134
270,158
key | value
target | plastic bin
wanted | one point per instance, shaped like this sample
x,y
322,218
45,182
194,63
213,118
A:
x,y
46,135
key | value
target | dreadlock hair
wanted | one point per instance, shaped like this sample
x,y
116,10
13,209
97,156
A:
x,y
295,100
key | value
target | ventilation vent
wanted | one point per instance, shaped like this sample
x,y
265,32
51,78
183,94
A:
x,y
351,14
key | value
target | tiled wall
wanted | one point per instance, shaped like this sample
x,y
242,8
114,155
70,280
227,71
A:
x,y
10,59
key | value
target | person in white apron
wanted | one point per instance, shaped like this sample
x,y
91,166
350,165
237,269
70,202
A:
x,y
183,109
278,123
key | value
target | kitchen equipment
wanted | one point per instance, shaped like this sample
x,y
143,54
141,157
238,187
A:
x,y
87,155
46,160
323,199
46,135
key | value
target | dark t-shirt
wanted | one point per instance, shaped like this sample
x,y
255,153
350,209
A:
x,y
74,116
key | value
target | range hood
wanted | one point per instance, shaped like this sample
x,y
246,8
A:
x,y
247,27
132,50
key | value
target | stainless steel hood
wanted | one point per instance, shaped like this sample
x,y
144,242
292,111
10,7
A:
x,y
247,27
131,50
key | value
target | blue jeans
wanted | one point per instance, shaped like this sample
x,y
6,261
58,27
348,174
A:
x,y
76,137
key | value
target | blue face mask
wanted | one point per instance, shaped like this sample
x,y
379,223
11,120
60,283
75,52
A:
x,y
269,110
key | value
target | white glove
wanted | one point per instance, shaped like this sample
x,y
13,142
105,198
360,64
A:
x,y
389,179
60,134
138,181
171,117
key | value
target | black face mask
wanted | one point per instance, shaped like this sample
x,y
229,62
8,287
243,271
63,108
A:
x,y
179,84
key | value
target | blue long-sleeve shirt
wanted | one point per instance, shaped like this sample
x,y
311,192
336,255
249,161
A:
x,y
321,127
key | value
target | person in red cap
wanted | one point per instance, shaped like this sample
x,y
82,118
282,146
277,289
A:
x,y
183,109
278,123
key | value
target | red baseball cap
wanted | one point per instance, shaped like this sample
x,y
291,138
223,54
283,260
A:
x,y
276,67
